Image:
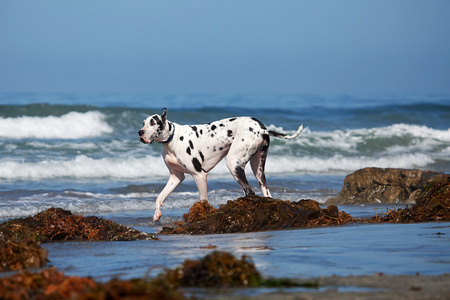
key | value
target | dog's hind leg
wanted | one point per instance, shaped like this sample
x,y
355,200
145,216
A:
x,y
237,169
174,180
258,162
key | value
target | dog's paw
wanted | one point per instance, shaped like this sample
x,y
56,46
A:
x,y
157,216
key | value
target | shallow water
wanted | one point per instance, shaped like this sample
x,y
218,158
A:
x,y
358,249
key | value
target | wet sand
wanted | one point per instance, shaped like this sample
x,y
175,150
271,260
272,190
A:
x,y
379,286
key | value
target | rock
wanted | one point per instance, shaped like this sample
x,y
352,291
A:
x,y
254,213
56,224
432,205
217,269
375,185
19,249
53,284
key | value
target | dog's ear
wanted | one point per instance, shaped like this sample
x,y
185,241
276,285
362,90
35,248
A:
x,y
163,116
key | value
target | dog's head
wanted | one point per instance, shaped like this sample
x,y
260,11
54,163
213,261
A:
x,y
152,128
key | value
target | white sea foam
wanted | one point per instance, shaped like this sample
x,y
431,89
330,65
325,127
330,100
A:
x,y
86,202
398,146
414,137
84,167
339,164
89,203
73,125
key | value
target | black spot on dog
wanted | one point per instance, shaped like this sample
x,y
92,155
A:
x,y
159,122
181,138
266,142
195,130
197,164
221,148
201,131
259,122
251,129
201,156
242,180
232,119
221,125
212,135
213,127
191,145
230,133
188,150
170,126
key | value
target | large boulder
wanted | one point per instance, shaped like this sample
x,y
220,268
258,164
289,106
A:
x,y
375,185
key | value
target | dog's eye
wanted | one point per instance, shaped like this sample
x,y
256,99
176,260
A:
x,y
152,122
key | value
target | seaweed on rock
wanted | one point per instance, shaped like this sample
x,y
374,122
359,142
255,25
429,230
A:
x,y
20,249
56,224
432,205
254,213
217,269
53,284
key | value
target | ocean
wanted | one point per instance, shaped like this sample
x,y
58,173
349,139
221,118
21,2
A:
x,y
81,152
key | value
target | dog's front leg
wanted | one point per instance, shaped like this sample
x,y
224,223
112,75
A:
x,y
200,181
174,180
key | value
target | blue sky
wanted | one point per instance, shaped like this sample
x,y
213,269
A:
x,y
326,47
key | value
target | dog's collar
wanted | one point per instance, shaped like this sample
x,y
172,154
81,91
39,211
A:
x,y
171,136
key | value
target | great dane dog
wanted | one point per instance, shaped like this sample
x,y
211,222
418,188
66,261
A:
x,y
196,149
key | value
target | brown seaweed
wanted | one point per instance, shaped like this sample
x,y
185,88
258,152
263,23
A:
x,y
217,269
52,284
254,213
432,205
56,224
20,249
20,239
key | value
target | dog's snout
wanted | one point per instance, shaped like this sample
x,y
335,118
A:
x,y
141,132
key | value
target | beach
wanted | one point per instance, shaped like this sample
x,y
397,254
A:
x,y
102,169
379,286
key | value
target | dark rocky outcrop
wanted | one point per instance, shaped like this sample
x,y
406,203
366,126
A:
x,y
20,249
254,213
217,269
53,284
56,224
375,185
432,205
20,239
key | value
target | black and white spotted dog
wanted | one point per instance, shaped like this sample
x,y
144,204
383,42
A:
x,y
197,149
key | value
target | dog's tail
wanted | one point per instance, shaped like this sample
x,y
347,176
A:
x,y
285,136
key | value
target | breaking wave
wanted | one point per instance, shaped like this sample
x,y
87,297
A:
x,y
73,125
